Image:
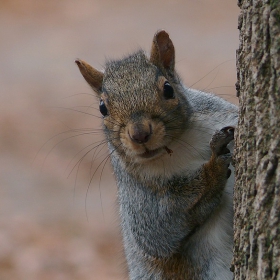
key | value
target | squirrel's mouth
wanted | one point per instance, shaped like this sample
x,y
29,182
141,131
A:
x,y
150,153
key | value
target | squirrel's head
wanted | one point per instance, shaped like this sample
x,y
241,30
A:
x,y
141,101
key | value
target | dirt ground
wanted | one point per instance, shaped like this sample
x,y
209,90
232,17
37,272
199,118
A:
x,y
58,219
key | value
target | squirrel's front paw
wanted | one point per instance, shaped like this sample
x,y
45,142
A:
x,y
218,145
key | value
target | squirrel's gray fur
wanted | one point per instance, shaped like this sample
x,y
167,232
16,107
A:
x,y
174,196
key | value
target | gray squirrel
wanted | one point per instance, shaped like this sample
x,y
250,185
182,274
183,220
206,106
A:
x,y
169,150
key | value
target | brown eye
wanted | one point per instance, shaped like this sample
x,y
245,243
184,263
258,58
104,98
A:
x,y
103,108
168,91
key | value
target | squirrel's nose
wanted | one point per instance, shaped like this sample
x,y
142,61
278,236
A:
x,y
140,134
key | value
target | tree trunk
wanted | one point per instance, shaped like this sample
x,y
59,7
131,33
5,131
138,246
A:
x,y
257,152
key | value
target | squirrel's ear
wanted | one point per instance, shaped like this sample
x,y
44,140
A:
x,y
91,75
163,52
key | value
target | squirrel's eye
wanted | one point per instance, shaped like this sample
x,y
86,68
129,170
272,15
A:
x,y
168,91
103,108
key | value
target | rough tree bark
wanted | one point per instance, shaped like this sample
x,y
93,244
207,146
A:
x,y
257,152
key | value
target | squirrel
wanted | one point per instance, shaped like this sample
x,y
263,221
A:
x,y
169,148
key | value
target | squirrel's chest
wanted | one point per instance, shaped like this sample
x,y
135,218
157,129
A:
x,y
143,206
154,221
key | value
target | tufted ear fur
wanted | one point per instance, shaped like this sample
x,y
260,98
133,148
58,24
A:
x,y
163,52
91,75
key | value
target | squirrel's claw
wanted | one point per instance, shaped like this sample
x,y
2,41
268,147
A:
x,y
221,139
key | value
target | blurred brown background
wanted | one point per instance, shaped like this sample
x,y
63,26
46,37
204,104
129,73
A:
x,y
57,220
